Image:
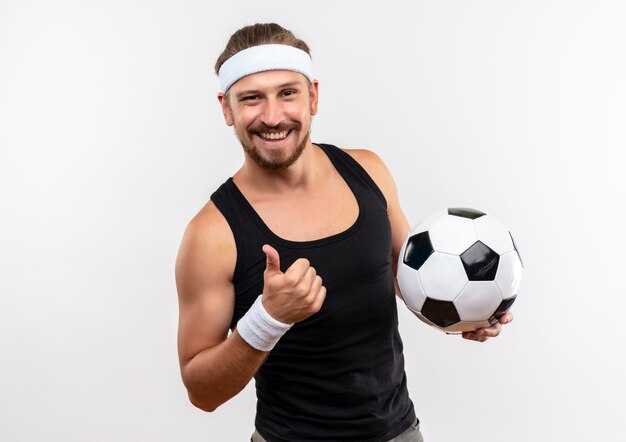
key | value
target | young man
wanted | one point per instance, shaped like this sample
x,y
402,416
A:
x,y
295,254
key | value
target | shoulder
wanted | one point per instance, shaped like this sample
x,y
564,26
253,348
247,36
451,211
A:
x,y
208,225
376,169
364,157
208,246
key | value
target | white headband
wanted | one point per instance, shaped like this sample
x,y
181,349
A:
x,y
270,57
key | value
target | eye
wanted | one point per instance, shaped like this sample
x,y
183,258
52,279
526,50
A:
x,y
289,93
249,98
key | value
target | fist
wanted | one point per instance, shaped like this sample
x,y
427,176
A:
x,y
294,295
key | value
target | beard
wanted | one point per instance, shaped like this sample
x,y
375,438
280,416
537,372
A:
x,y
276,161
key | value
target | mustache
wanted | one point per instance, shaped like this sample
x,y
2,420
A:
x,y
280,127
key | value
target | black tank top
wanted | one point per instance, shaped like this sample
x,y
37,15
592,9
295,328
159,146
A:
x,y
339,374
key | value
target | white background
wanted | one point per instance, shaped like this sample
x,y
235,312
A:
x,y
111,139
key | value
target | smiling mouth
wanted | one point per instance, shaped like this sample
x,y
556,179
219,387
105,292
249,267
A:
x,y
274,136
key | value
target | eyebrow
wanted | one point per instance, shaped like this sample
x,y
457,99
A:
x,y
290,84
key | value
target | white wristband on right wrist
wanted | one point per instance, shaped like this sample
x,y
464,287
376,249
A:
x,y
259,329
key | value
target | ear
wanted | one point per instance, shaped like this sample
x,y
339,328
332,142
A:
x,y
313,96
228,115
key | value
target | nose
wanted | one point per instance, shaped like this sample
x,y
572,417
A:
x,y
272,113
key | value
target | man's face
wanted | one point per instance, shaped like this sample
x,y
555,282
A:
x,y
271,112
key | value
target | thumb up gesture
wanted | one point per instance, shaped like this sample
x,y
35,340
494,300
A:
x,y
294,295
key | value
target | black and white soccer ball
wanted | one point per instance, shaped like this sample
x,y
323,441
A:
x,y
459,270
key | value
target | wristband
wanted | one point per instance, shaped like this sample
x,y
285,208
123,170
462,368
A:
x,y
259,329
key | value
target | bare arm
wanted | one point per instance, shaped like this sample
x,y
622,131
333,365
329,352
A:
x,y
214,366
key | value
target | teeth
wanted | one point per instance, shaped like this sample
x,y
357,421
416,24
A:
x,y
274,135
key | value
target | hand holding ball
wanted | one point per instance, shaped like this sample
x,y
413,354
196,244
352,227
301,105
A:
x,y
459,270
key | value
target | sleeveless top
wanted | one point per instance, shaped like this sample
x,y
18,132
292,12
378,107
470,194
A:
x,y
339,374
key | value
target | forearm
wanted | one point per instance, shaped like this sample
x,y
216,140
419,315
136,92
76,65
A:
x,y
219,373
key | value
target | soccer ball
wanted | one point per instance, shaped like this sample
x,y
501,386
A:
x,y
459,270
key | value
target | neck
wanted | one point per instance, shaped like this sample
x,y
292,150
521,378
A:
x,y
301,175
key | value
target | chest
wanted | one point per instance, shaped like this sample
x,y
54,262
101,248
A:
x,y
360,253
309,215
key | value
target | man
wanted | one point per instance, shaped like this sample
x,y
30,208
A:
x,y
295,254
